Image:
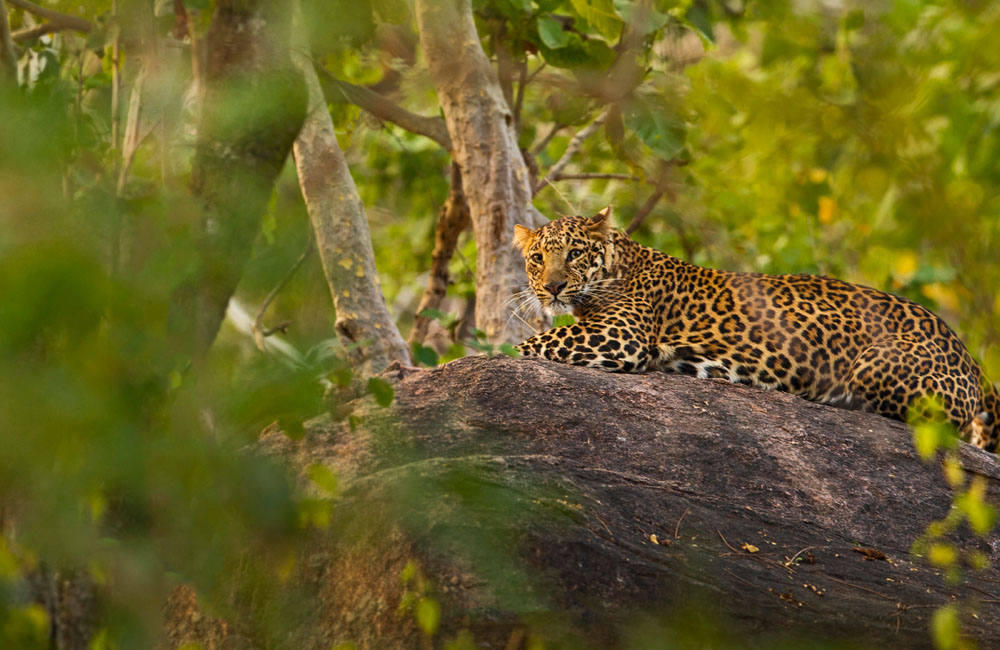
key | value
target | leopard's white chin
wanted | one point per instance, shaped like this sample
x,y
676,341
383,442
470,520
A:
x,y
557,307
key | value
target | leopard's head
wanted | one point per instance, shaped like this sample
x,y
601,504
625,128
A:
x,y
568,260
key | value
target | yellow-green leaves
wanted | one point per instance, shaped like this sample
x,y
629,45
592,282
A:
x,y
601,15
427,614
324,478
981,515
946,629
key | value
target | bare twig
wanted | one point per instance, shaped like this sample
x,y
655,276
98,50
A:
x,y
505,65
385,109
644,211
31,33
65,21
115,83
571,150
664,187
592,176
851,584
544,142
454,219
791,560
259,332
605,526
523,80
726,542
677,528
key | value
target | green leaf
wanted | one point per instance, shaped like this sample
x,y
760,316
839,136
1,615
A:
x,y
428,615
942,554
563,320
433,314
342,377
514,8
698,20
945,628
425,355
381,390
510,350
551,32
198,5
657,125
292,427
981,515
324,478
645,20
601,15
576,53
408,573
446,320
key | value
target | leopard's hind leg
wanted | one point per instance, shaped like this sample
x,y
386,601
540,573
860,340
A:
x,y
894,374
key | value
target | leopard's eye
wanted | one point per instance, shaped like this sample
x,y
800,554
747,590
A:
x,y
573,254
537,258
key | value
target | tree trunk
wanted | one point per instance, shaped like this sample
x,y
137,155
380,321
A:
x,y
253,105
591,509
484,145
364,325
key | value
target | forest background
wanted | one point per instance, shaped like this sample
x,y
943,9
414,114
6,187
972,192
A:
x,y
147,188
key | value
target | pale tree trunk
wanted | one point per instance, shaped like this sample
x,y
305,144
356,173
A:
x,y
484,145
253,106
364,325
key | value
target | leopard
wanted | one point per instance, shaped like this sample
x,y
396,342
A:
x,y
637,309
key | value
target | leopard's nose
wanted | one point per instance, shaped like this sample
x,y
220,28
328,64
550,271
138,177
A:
x,y
555,287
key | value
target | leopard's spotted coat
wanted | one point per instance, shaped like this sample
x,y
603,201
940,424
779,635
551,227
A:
x,y
829,341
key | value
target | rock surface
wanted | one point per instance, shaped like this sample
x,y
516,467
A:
x,y
530,493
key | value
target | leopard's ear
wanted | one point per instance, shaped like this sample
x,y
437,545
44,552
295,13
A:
x,y
602,223
523,237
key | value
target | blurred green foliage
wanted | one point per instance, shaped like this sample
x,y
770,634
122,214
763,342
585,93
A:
x,y
856,139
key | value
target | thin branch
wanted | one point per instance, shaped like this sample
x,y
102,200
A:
x,y
571,149
115,82
385,109
677,528
32,33
522,82
851,584
259,331
65,21
454,219
8,55
664,187
644,211
505,65
544,142
592,176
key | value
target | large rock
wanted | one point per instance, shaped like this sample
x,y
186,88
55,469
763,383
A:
x,y
529,494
